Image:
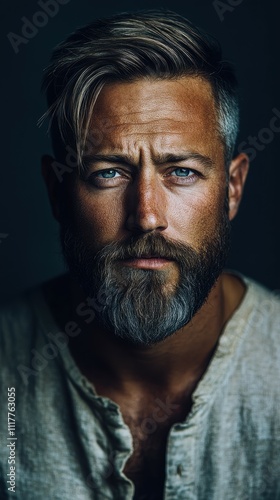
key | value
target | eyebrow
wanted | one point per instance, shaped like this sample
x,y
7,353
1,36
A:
x,y
158,159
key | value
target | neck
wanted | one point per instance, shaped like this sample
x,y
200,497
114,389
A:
x,y
184,356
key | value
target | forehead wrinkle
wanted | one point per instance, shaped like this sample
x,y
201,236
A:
x,y
156,142
170,121
159,127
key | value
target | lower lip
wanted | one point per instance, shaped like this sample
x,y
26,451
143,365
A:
x,y
155,263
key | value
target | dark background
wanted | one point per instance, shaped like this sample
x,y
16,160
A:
x,y
249,34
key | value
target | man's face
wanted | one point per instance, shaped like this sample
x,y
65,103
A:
x,y
148,220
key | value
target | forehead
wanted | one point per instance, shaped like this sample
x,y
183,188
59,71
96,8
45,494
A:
x,y
157,113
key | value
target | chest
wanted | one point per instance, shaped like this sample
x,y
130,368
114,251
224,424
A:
x,y
146,466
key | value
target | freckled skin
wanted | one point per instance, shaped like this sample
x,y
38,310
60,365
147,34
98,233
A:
x,y
146,118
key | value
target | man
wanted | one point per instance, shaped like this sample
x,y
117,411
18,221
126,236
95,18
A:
x,y
146,372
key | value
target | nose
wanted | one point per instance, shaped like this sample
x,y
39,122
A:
x,y
147,205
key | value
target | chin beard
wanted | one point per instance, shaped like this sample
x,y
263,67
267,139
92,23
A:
x,y
141,306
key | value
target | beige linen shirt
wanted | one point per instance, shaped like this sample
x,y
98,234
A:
x,y
73,444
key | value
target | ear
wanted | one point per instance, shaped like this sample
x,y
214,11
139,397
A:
x,y
53,184
238,171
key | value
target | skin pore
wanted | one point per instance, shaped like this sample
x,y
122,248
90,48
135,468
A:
x,y
158,168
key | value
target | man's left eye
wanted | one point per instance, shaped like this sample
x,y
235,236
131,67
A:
x,y
182,172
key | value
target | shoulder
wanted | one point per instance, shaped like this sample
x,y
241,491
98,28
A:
x,y
262,310
256,325
259,307
253,331
251,352
29,339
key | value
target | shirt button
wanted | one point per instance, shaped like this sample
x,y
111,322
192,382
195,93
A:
x,y
179,469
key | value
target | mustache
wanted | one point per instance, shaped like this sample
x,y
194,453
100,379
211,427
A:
x,y
147,246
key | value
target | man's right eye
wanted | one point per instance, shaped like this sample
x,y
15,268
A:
x,y
107,174
109,177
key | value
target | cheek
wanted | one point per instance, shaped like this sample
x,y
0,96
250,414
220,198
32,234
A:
x,y
194,217
97,216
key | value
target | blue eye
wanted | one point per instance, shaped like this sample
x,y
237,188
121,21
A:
x,y
181,172
107,174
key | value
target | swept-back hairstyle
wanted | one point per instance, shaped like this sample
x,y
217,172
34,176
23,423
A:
x,y
126,47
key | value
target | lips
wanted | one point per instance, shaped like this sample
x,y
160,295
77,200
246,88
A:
x,y
149,256
147,261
